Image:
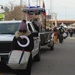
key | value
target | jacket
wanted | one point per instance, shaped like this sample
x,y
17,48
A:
x,y
15,45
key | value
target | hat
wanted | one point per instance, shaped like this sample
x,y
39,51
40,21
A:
x,y
23,25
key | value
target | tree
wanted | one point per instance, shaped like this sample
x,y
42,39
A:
x,y
6,9
16,14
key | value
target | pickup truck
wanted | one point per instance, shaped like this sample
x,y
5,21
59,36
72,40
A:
x,y
7,31
46,37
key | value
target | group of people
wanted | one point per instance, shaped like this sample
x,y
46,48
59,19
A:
x,y
58,34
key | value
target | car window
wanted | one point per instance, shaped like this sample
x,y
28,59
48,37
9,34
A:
x,y
8,28
29,27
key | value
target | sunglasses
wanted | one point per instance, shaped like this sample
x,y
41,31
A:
x,y
22,31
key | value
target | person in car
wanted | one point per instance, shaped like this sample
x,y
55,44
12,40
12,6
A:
x,y
22,30
35,25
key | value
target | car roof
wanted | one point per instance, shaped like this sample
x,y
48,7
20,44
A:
x,y
13,21
33,9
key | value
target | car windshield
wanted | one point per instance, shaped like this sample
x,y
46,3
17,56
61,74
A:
x,y
8,28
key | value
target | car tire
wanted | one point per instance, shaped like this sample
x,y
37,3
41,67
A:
x,y
52,47
37,56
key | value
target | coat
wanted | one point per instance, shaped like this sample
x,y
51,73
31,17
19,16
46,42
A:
x,y
16,38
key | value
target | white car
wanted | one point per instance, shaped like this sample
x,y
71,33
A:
x,y
7,30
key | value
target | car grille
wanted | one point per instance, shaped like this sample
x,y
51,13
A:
x,y
5,47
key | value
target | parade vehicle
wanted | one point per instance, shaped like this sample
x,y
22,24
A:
x,y
7,31
41,38
46,36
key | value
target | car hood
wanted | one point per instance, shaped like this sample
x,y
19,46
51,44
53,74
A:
x,y
5,37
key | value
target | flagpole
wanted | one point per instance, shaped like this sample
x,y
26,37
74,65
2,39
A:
x,y
44,15
28,2
21,7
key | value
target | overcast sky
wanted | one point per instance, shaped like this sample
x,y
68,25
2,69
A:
x,y
65,9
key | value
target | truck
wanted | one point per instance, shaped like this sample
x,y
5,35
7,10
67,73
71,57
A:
x,y
7,32
46,37
41,37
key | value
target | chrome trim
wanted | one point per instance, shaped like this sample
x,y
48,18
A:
x,y
4,54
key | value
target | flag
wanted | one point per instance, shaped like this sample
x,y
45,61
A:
x,y
43,4
44,11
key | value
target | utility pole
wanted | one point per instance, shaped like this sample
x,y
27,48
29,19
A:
x,y
21,7
20,2
28,2
51,12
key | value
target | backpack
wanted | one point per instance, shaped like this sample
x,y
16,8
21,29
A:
x,y
61,31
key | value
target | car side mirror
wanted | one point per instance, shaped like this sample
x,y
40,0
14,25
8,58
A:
x,y
35,34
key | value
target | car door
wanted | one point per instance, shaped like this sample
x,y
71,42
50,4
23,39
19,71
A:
x,y
36,39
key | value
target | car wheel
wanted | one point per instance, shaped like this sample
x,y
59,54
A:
x,y
37,56
52,47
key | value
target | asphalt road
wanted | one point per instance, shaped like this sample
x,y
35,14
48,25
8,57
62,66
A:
x,y
61,61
